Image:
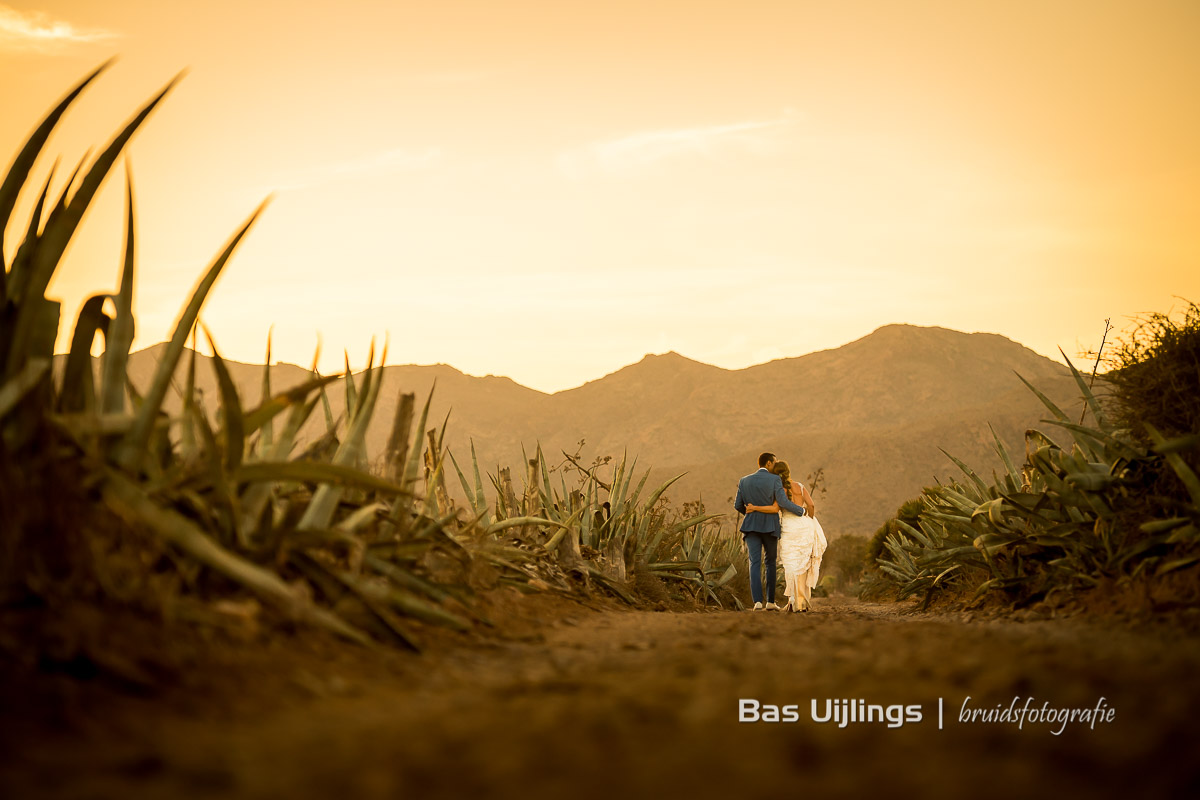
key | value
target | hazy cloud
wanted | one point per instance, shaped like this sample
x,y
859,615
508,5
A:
x,y
389,161
37,31
448,78
639,150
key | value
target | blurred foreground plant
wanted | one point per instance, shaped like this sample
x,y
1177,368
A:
x,y
310,534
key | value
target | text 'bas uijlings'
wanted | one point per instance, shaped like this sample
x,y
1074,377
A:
x,y
839,712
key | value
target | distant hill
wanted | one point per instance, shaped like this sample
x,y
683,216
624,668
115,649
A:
x,y
872,414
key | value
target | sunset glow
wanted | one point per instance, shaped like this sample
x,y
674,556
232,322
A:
x,y
550,190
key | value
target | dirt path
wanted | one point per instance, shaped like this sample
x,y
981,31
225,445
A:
x,y
616,703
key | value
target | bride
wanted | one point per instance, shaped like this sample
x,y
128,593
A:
x,y
801,544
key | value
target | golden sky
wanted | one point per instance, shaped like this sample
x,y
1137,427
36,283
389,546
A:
x,y
550,190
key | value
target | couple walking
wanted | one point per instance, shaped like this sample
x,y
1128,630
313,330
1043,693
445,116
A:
x,y
780,521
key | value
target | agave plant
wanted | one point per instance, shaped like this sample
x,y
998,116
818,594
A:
x,y
1067,518
232,497
310,532
602,531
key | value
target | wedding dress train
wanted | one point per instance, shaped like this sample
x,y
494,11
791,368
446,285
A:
x,y
802,543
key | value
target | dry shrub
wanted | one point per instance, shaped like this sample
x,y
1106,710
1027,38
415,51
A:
x,y
1154,376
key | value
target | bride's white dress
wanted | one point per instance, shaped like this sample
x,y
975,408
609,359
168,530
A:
x,y
802,544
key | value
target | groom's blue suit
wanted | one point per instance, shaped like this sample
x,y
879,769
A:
x,y
761,530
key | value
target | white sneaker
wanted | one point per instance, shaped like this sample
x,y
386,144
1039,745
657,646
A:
x,y
772,607
758,606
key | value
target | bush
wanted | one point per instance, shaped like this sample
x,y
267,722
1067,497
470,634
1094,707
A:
x,y
844,562
1154,376
908,513
1121,505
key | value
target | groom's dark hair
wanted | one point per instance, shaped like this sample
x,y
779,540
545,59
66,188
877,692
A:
x,y
764,458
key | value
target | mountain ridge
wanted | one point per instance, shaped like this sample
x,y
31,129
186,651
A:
x,y
874,414
671,356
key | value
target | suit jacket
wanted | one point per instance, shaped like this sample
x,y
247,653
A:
x,y
761,489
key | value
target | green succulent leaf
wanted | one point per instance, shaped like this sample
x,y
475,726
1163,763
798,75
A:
x,y
132,449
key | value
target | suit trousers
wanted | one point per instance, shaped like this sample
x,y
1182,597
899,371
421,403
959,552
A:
x,y
759,544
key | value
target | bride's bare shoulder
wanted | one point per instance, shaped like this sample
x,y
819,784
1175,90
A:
x,y
796,485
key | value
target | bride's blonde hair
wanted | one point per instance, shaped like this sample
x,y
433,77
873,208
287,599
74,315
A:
x,y
785,473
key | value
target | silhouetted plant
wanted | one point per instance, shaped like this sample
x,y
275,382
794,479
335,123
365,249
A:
x,y
1154,376
1109,509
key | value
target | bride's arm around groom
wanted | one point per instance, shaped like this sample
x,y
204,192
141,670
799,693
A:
x,y
781,502
799,490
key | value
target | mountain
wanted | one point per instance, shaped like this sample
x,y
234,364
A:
x,y
874,415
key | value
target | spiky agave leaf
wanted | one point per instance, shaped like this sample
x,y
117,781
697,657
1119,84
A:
x,y
468,491
1046,401
267,431
321,508
432,507
441,437
255,499
1184,472
187,431
330,422
18,172
131,503
569,528
1002,451
59,229
351,391
396,452
324,577
1110,447
516,522
970,473
407,603
64,220
121,331
412,469
78,392
298,414
406,579
259,418
318,472
131,450
481,501
23,258
232,431
222,490
1088,396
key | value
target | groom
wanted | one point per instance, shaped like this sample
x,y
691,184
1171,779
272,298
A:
x,y
760,530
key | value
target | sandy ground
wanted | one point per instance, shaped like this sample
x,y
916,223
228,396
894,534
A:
x,y
571,701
